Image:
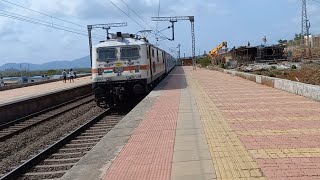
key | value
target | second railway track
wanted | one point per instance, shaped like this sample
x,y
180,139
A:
x,y
57,159
15,127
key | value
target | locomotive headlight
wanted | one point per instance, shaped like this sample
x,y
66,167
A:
x,y
137,68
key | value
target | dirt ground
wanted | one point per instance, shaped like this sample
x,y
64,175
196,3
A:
x,y
308,73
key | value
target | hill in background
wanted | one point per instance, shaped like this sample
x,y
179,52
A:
x,y
83,62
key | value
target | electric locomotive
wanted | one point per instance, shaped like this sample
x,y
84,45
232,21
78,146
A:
x,y
126,66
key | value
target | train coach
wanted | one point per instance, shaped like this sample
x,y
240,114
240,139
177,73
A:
x,y
126,66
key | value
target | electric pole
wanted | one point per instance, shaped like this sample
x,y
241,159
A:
x,y
107,27
174,19
179,60
305,24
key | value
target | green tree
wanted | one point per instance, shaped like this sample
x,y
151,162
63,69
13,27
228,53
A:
x,y
52,72
282,41
297,37
205,61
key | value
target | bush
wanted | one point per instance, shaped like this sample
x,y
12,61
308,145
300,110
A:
x,y
222,65
204,62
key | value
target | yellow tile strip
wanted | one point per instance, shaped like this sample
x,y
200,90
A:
x,y
230,157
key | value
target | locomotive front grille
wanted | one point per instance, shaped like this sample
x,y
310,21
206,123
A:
x,y
118,70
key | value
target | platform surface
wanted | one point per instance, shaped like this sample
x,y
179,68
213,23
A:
x,y
205,124
12,95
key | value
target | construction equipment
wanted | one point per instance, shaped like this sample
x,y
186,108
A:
x,y
215,51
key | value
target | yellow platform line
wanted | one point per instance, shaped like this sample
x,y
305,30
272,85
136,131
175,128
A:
x,y
230,157
266,132
286,153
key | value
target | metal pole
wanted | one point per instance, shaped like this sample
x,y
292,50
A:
x,y
172,29
90,42
179,60
193,44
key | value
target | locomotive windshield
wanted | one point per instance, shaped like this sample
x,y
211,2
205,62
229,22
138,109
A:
x,y
107,54
131,53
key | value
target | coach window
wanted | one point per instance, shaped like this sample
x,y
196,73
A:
x,y
148,52
163,57
157,55
107,54
131,53
152,52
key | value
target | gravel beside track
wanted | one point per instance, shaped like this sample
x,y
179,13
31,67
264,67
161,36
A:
x,y
56,165
23,146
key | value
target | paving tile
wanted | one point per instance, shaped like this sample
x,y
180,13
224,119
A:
x,y
189,131
191,155
192,137
149,151
192,168
254,130
30,91
195,177
190,145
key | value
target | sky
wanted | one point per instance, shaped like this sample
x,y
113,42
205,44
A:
x,y
234,21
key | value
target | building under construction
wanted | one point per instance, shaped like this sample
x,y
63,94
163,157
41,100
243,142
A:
x,y
244,55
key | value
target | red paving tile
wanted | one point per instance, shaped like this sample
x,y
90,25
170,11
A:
x,y
251,106
291,168
149,151
279,125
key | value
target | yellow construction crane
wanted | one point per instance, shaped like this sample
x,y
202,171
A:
x,y
215,51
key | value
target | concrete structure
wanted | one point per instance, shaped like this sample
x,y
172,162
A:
x,y
186,62
306,90
210,125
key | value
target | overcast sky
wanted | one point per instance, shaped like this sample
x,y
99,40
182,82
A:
x,y
236,22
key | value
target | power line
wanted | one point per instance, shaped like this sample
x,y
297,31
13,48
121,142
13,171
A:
x,y
134,20
158,14
163,36
42,13
315,1
39,20
47,15
127,14
40,23
136,13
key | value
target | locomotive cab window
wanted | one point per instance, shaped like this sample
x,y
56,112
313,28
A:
x,y
131,53
107,54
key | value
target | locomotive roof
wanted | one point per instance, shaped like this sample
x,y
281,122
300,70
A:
x,y
123,42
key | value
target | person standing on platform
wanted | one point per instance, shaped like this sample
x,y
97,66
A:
x,y
71,74
64,76
1,82
75,74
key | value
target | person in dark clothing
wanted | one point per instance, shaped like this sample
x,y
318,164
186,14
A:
x,y
64,76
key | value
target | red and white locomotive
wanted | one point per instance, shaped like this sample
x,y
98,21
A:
x,y
125,66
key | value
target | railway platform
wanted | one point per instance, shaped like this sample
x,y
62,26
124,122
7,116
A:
x,y
29,92
205,124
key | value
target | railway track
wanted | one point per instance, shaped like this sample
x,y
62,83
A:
x,y
15,127
56,160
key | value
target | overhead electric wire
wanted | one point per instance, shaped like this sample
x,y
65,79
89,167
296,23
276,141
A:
x,y
127,14
135,21
315,1
158,14
41,21
163,36
42,13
